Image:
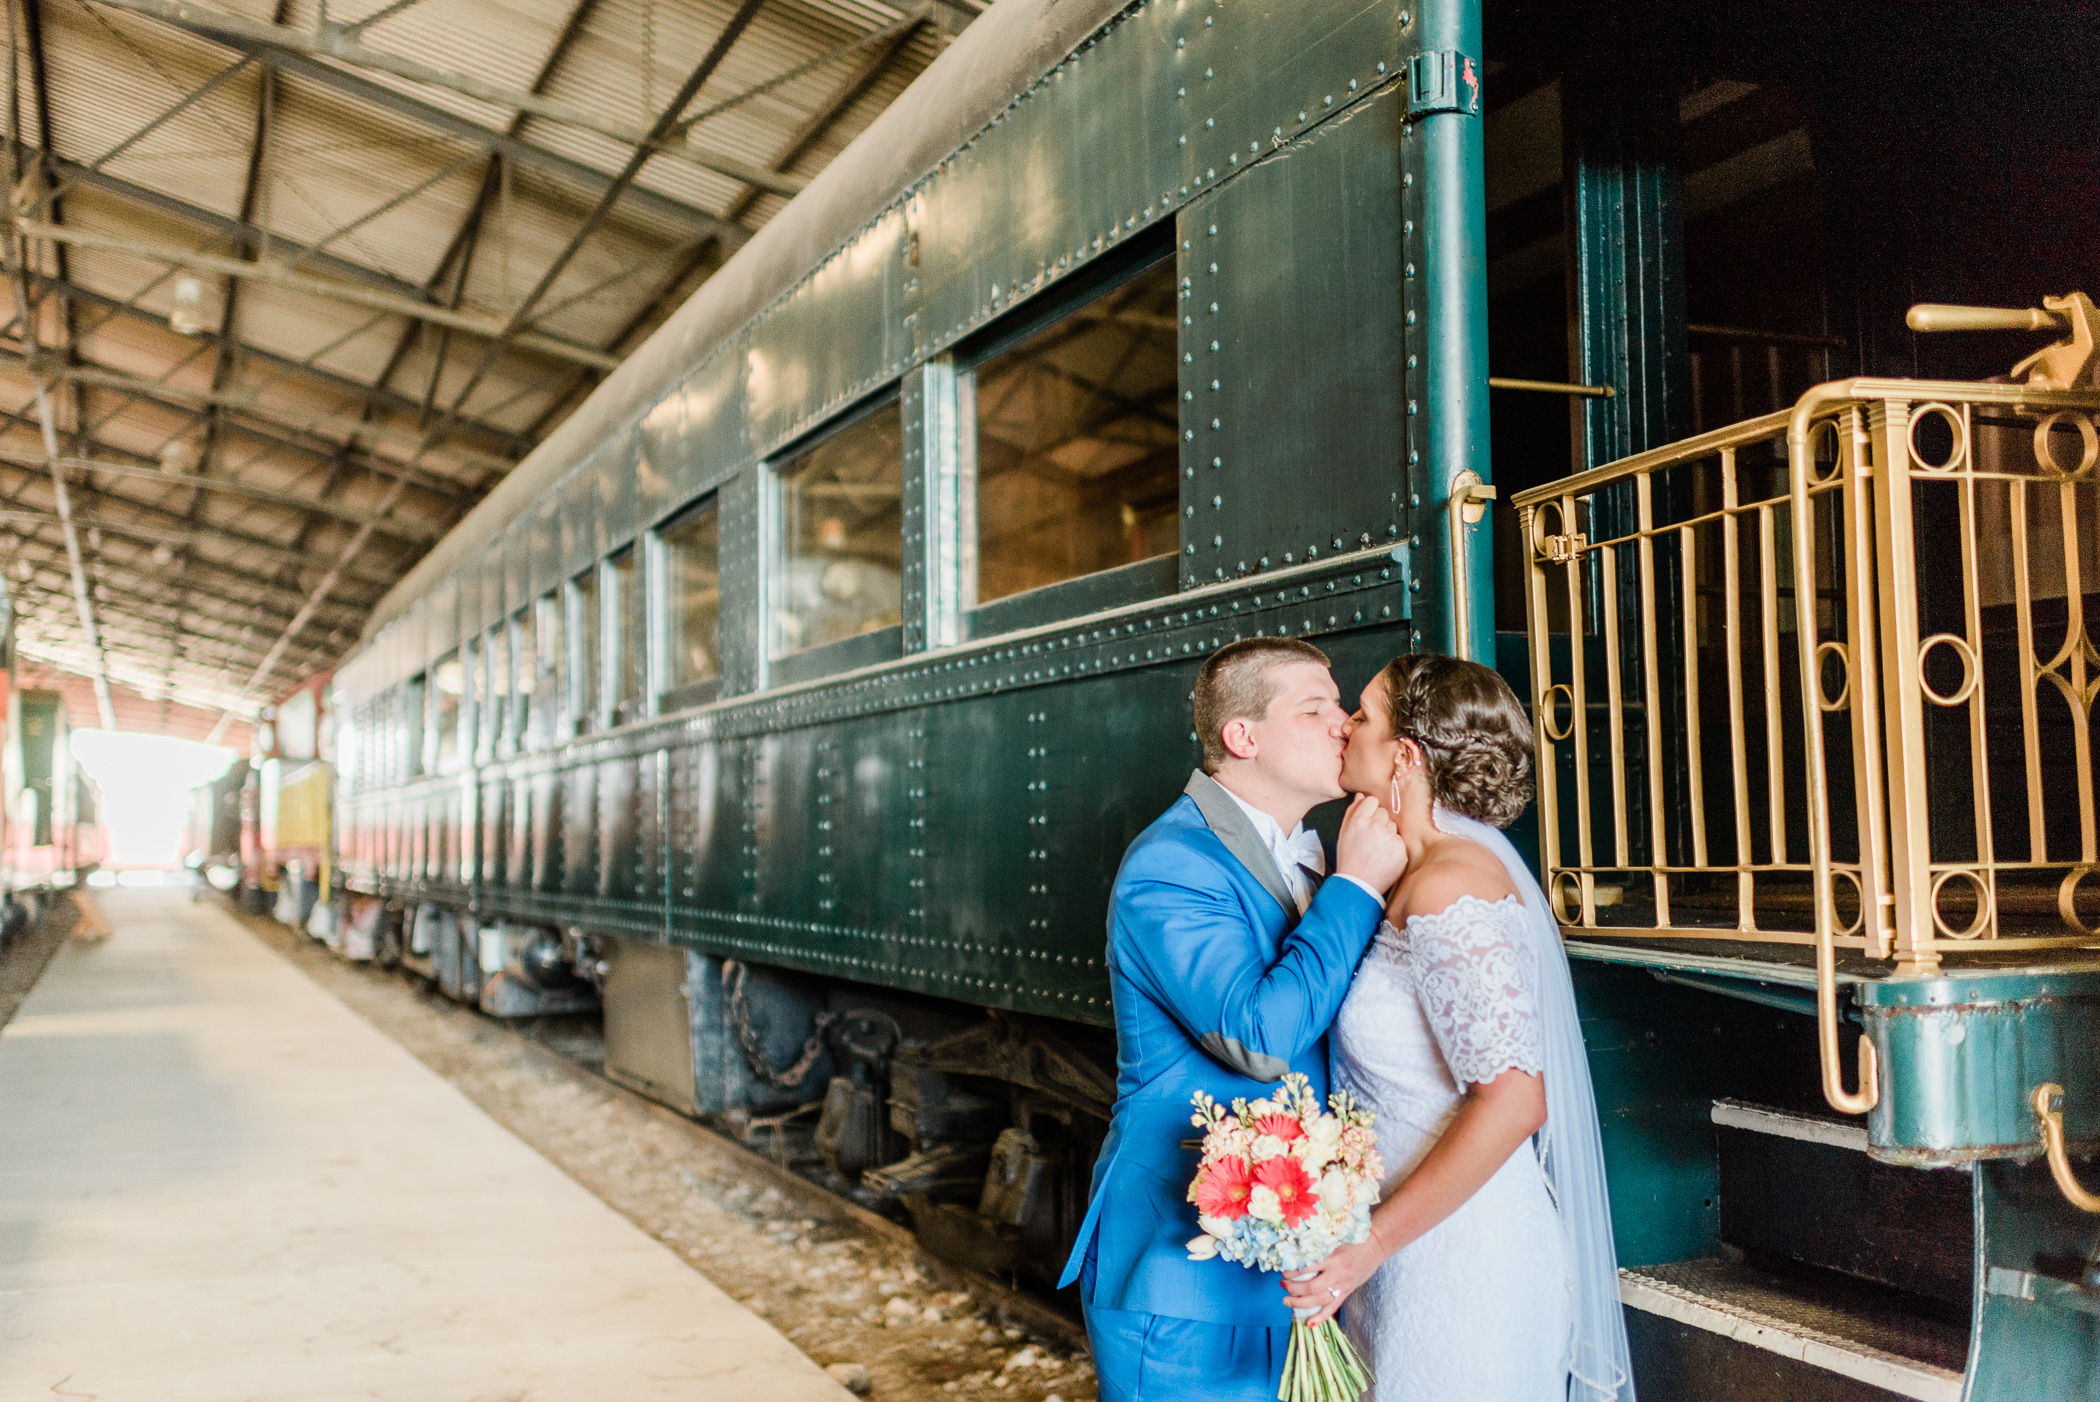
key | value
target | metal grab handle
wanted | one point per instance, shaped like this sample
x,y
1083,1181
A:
x,y
2066,365
1469,503
1940,316
2053,1140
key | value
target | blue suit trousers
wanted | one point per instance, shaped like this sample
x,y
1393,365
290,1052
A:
x,y
1153,1358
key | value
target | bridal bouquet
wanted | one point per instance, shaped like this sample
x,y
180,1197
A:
x,y
1283,1183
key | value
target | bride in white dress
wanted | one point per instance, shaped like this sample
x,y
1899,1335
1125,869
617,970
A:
x,y
1490,1274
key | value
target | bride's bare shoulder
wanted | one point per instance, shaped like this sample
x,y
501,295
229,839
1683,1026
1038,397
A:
x,y
1452,869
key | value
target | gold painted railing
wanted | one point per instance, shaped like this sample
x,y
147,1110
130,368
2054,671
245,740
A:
x,y
1827,677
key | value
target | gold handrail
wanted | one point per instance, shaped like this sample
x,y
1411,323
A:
x,y
2059,1158
1800,462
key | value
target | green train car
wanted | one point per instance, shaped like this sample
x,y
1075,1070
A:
x,y
795,700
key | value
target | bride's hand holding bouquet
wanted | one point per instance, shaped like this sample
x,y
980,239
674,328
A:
x,y
1283,1186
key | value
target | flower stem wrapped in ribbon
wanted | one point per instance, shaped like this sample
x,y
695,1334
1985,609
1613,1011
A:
x,y
1282,1184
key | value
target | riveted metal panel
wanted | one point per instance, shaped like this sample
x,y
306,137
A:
x,y
658,443
714,443
785,824
518,585
544,835
650,870
713,835
517,835
831,341
613,481
1293,352
618,832
579,830
441,620
489,604
1083,160
742,630
940,499
578,519
492,820
1242,95
546,544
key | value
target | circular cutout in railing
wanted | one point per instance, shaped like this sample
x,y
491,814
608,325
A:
x,y
2045,445
1928,667
1979,905
1567,897
1824,441
1939,442
1549,708
2067,899
1845,901
1825,650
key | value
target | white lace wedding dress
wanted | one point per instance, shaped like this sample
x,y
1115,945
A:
x,y
1477,1309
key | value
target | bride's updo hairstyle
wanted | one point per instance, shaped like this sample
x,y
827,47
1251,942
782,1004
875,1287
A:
x,y
1472,730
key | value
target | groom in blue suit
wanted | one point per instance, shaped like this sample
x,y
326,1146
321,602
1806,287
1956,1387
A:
x,y
1228,958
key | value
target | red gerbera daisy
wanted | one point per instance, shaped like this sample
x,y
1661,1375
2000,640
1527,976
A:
x,y
1222,1189
1284,1127
1293,1186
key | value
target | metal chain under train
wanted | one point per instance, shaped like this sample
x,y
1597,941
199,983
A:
x,y
735,970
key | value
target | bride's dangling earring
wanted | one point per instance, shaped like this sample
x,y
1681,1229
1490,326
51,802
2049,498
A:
x,y
1396,791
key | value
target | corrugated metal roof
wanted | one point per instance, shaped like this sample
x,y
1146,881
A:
x,y
298,425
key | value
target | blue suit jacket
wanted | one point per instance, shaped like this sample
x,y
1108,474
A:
x,y
1219,987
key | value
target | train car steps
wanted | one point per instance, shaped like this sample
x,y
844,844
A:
x,y
1844,1277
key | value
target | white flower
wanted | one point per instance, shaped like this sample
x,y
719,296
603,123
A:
x,y
1203,1248
1327,1129
1219,1227
1256,1109
1267,1146
1336,1191
1262,1204
1315,1154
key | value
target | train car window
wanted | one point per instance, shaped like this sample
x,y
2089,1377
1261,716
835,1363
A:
x,y
449,685
470,713
410,720
492,703
630,657
839,544
548,694
1077,453
524,675
582,608
692,594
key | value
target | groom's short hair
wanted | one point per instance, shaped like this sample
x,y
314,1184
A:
x,y
1238,682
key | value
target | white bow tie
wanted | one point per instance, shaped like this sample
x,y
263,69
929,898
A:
x,y
1305,850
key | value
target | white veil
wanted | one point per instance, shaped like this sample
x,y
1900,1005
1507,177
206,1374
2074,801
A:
x,y
1571,1146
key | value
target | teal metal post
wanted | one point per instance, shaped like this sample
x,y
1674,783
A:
x,y
1449,429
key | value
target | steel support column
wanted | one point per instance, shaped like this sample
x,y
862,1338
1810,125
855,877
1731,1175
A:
x,y
1622,176
1444,196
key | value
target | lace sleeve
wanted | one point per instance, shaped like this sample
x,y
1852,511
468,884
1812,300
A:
x,y
1477,989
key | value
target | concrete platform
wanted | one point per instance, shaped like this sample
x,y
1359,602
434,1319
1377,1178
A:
x,y
218,1183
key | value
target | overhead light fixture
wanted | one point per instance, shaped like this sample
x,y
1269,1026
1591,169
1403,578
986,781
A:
x,y
186,318
175,456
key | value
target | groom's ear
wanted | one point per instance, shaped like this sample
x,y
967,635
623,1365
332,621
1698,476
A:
x,y
1238,736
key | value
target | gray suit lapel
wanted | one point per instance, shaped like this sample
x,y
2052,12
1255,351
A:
x,y
1229,823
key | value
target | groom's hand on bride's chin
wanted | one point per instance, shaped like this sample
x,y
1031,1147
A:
x,y
1370,847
